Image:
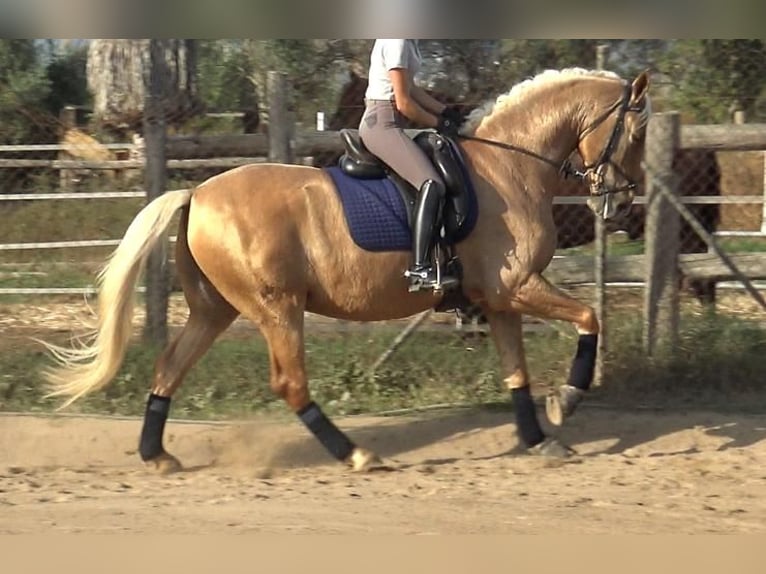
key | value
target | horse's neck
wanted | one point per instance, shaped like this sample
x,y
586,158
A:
x,y
511,172
547,124
546,128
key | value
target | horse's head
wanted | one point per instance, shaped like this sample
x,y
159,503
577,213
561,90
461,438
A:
x,y
612,147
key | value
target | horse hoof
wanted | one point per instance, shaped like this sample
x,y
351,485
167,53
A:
x,y
363,460
164,464
561,403
552,448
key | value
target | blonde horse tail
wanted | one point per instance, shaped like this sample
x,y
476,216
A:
x,y
92,364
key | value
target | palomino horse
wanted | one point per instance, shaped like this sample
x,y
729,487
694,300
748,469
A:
x,y
270,242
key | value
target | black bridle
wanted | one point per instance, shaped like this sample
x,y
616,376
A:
x,y
593,173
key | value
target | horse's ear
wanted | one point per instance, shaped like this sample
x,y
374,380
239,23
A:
x,y
640,88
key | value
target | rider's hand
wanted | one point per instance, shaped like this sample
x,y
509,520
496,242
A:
x,y
455,114
447,126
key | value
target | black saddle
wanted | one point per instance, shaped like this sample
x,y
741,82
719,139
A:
x,y
360,163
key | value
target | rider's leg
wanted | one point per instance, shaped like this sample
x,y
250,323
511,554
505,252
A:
x,y
382,135
427,214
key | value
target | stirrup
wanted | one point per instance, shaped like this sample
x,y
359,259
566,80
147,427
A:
x,y
429,278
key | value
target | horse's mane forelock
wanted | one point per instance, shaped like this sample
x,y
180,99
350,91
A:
x,y
525,87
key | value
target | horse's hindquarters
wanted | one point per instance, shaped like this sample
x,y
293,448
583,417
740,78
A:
x,y
273,232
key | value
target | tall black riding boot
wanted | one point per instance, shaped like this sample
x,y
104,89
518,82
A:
x,y
422,273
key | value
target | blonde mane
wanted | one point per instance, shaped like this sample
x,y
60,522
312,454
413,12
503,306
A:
x,y
526,87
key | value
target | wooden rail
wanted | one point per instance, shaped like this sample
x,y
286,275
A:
x,y
578,269
724,137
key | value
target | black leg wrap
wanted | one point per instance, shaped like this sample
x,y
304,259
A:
x,y
526,417
581,375
157,409
332,438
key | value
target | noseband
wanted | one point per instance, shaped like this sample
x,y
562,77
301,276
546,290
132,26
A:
x,y
593,174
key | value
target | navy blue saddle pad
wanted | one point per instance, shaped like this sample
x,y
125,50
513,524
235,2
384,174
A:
x,y
375,212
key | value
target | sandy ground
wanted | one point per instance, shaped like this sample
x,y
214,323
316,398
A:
x,y
453,472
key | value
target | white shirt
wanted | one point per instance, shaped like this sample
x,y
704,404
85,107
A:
x,y
387,55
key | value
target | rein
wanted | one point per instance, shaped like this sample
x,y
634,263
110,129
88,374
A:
x,y
565,167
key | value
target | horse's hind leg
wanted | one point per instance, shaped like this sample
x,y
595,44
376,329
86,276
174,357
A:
x,y
282,326
209,315
540,298
174,362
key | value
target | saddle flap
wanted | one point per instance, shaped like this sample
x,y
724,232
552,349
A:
x,y
446,158
440,151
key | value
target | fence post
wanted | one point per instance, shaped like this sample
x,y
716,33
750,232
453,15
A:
x,y
279,123
661,297
600,252
763,207
155,178
67,121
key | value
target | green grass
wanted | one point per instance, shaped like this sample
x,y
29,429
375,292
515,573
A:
x,y
64,220
67,219
719,365
617,244
232,379
42,274
742,244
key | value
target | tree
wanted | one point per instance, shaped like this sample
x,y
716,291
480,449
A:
x,y
521,59
316,69
463,70
24,87
117,73
713,78
67,77
227,80
474,70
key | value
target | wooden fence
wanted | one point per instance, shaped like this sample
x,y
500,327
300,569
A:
x,y
665,135
657,269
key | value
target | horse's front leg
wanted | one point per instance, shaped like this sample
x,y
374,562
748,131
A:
x,y
506,332
538,297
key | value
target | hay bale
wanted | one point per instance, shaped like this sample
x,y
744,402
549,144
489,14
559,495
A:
x,y
80,146
741,174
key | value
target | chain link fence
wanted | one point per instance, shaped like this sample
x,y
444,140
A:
x,y
217,112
